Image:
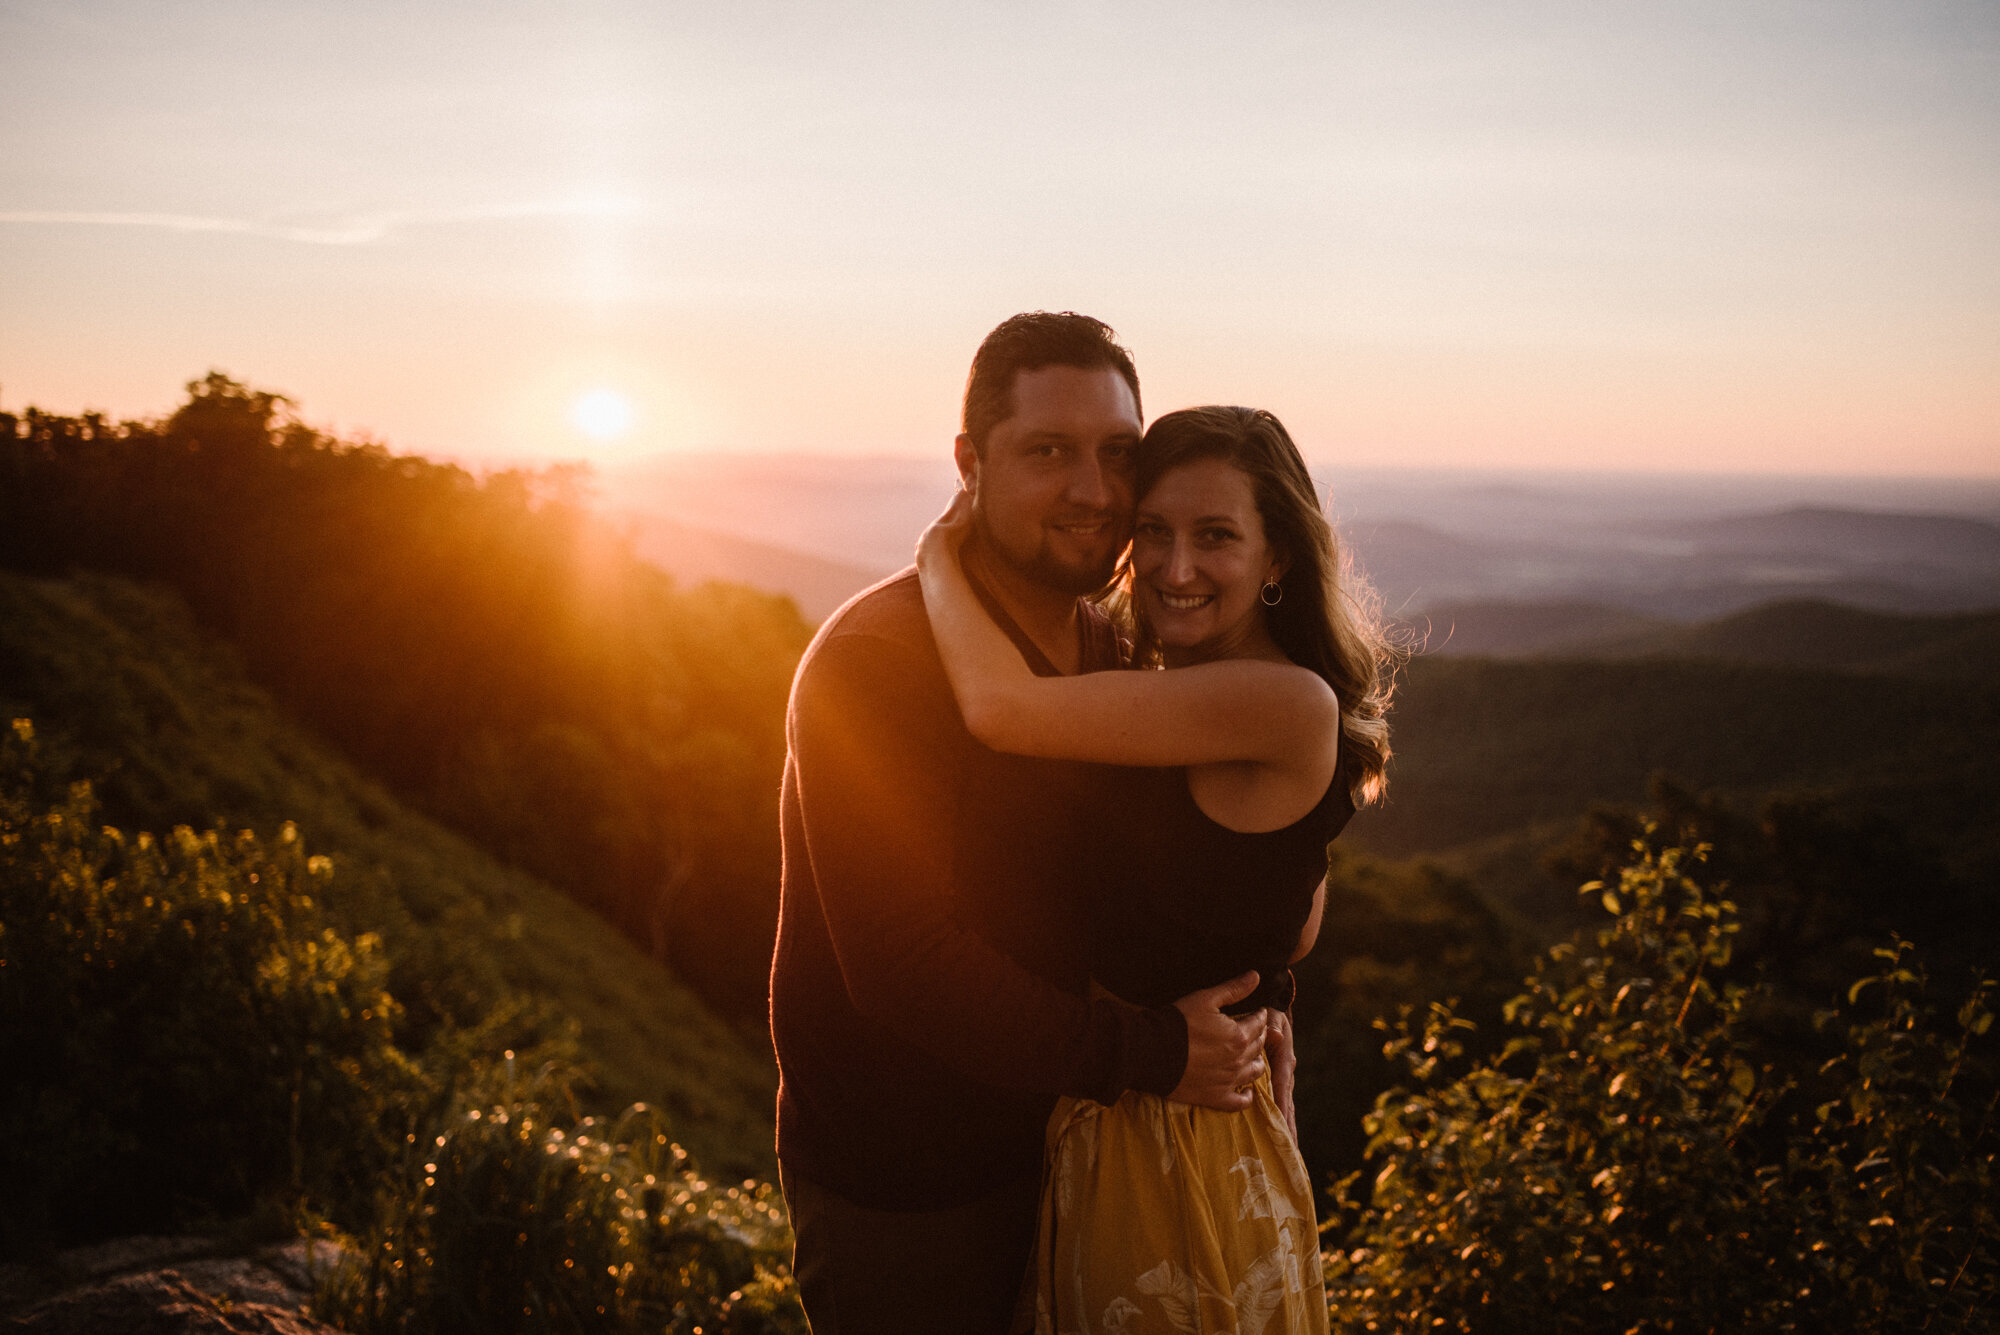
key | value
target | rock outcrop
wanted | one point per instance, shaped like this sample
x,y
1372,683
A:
x,y
169,1286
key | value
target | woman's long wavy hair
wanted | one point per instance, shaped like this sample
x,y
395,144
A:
x,y
1327,618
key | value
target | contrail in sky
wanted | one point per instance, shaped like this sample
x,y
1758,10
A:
x,y
359,230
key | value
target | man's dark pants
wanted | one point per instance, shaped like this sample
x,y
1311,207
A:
x,y
953,1272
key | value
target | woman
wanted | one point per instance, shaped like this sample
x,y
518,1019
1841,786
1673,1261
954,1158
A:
x,y
1158,1215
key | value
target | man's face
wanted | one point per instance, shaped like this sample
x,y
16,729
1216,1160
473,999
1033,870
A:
x,y
1053,489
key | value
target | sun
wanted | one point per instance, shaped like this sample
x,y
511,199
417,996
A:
x,y
602,414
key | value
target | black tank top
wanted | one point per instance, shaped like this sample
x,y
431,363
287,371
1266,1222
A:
x,y
1183,903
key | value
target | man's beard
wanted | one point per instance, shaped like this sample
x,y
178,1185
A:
x,y
1042,566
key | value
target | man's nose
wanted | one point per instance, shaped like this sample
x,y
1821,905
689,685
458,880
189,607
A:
x,y
1092,485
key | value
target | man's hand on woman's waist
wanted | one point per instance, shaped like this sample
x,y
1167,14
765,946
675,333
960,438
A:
x,y
1225,1052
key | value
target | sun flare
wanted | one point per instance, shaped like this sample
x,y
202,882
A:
x,y
602,414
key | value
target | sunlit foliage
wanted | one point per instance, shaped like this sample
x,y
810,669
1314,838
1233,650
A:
x,y
491,648
519,1217
186,1039
181,1031
1629,1161
1818,881
1819,884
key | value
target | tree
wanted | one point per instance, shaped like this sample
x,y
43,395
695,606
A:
x,y
491,649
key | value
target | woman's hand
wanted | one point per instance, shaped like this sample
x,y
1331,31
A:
x,y
947,533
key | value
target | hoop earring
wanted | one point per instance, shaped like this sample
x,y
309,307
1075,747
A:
x,y
1272,593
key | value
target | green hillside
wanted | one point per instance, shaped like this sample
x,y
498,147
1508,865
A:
x,y
126,693
1485,748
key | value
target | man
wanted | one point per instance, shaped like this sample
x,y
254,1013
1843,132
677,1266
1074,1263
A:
x,y
929,989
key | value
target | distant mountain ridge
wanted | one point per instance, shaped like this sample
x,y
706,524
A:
x,y
693,555
1946,540
1692,569
1809,633
1672,550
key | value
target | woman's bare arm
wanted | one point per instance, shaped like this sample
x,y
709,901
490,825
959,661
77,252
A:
x,y
1274,714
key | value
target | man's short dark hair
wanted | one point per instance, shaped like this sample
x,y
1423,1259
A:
x,y
1028,342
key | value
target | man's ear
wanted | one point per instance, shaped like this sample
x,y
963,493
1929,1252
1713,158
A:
x,y
966,455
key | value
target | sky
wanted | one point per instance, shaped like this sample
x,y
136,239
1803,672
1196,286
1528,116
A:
x,y
1675,237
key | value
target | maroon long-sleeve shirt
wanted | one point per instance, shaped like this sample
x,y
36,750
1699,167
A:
x,y
929,988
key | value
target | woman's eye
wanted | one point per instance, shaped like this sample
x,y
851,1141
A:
x,y
1217,535
1150,532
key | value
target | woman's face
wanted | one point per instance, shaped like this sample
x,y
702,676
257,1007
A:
x,y
1199,561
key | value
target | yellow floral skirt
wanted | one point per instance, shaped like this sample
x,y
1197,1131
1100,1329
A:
x,y
1162,1217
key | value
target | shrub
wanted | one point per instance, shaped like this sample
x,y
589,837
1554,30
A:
x,y
517,1217
1628,1162
182,1034
1894,1174
184,1039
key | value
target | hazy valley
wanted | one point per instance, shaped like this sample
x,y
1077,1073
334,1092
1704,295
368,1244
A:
x,y
1570,557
